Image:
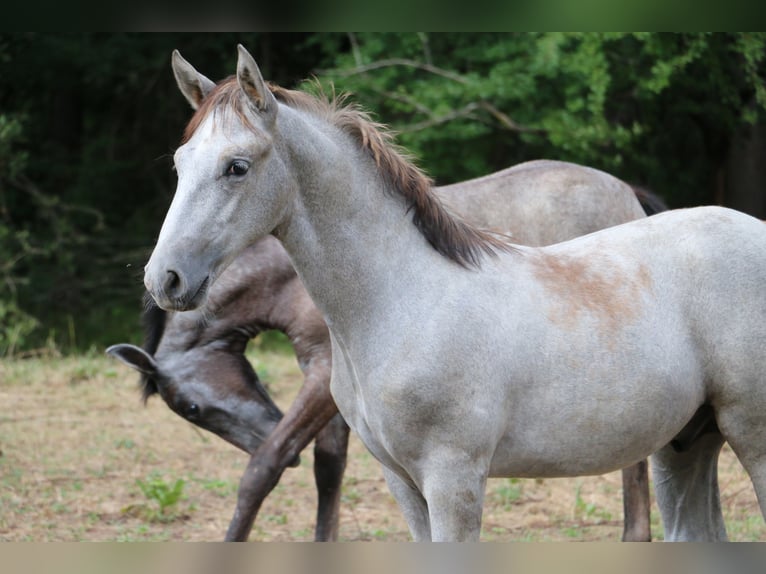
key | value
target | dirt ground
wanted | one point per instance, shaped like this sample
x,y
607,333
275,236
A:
x,y
75,441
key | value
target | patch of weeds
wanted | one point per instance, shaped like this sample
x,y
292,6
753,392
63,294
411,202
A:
x,y
83,372
589,510
163,498
142,533
351,496
277,518
99,472
258,533
499,530
303,533
11,476
746,529
60,508
380,534
573,532
531,536
222,488
508,493
124,443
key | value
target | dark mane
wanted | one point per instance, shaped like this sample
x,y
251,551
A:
x,y
153,321
448,233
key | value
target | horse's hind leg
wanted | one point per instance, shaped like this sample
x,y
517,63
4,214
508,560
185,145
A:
x,y
686,486
746,434
330,448
636,503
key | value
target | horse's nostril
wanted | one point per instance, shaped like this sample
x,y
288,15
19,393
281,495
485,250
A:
x,y
172,283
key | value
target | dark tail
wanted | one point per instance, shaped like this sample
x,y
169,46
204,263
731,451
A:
x,y
651,202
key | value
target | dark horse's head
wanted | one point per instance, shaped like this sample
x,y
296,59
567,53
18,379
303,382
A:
x,y
207,380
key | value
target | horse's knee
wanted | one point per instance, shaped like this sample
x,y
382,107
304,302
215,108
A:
x,y
263,471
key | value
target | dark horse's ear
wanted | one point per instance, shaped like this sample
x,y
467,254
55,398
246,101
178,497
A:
x,y
134,357
193,85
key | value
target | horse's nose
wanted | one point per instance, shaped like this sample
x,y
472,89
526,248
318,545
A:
x,y
174,285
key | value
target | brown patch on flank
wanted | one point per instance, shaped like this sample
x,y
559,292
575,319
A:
x,y
611,296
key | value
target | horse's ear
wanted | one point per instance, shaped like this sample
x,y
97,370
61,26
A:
x,y
134,357
251,82
193,85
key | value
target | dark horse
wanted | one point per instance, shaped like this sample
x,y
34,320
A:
x,y
195,360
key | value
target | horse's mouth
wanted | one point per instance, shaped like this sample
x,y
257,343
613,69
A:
x,y
196,300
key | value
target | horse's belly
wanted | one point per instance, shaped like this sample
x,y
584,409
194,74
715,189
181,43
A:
x,y
588,444
555,463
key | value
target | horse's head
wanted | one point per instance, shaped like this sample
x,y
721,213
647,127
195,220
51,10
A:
x,y
233,184
212,386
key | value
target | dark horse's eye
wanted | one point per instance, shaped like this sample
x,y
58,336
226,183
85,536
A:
x,y
237,167
192,410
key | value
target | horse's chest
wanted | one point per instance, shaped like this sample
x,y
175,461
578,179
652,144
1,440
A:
x,y
351,404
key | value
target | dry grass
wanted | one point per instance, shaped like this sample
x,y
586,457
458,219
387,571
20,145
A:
x,y
74,441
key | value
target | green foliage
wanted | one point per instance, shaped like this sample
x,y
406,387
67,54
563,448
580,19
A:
x,y
11,161
90,121
15,327
656,109
164,495
15,324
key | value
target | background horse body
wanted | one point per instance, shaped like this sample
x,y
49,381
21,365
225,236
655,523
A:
x,y
611,338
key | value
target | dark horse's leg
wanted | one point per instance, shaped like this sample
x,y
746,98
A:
x,y
330,450
311,410
636,503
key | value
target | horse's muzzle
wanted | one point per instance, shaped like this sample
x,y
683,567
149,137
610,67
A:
x,y
174,292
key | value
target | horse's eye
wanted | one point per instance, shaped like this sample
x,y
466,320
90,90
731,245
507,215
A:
x,y
192,410
237,167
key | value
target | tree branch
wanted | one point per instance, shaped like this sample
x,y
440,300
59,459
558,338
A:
x,y
397,62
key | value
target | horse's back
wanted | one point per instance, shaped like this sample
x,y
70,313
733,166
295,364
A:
x,y
666,313
563,200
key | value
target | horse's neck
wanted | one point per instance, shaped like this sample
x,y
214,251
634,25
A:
x,y
351,239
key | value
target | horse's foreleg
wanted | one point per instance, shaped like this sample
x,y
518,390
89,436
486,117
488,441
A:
x,y
261,476
412,504
330,450
311,410
453,486
686,485
455,504
636,503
